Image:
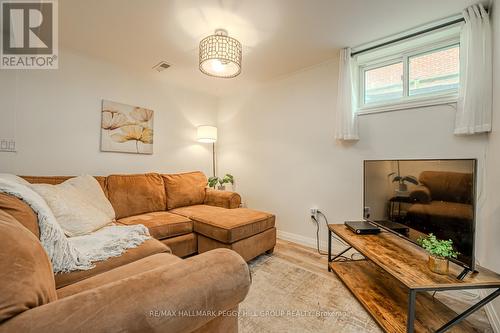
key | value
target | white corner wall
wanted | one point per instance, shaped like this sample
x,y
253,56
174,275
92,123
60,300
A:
x,y
491,220
55,117
278,142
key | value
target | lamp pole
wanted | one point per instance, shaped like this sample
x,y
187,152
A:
x,y
208,134
213,158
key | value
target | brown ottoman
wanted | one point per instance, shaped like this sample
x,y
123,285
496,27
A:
x,y
246,231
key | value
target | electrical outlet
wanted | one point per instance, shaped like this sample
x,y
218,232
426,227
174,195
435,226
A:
x,y
314,212
367,211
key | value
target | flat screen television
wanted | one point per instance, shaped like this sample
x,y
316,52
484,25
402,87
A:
x,y
414,198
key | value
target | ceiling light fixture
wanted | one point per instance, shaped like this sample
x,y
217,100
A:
x,y
220,55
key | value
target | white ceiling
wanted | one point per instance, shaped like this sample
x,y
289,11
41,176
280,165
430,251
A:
x,y
278,36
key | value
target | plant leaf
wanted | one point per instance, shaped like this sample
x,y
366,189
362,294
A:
x,y
212,181
440,248
410,179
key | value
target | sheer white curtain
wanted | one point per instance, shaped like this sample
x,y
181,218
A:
x,y
474,105
346,118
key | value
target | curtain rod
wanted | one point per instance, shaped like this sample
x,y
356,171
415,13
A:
x,y
409,36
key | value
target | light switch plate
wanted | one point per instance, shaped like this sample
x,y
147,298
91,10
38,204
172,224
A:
x,y
8,145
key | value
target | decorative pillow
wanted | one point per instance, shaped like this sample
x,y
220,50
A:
x,y
74,211
21,211
14,178
18,208
90,188
25,270
185,189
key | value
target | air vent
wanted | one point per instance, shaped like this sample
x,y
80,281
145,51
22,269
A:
x,y
161,66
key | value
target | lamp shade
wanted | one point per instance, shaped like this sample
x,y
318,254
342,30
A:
x,y
206,134
220,55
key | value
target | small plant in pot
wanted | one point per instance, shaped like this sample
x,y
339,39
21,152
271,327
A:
x,y
402,190
227,179
440,251
402,180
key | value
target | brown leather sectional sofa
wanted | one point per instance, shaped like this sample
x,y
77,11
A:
x,y
147,288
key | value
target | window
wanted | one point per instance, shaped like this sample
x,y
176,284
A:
x,y
434,72
410,75
384,83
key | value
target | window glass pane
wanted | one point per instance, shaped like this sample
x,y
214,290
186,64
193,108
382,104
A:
x,y
384,83
434,72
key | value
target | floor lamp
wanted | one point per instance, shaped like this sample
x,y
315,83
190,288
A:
x,y
208,134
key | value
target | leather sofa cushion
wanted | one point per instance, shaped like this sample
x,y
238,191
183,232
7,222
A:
x,y
448,186
421,194
136,194
161,224
247,248
182,246
21,212
185,189
146,249
443,209
224,199
26,274
136,267
227,225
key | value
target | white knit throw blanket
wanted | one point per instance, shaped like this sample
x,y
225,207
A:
x,y
110,241
76,253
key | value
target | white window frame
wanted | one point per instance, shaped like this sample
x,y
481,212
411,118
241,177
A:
x,y
406,102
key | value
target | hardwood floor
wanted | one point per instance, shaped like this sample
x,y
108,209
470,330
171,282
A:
x,y
309,260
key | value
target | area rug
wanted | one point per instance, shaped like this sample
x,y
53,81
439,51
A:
x,y
287,298
291,293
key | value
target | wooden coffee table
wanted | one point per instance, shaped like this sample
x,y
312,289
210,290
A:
x,y
393,282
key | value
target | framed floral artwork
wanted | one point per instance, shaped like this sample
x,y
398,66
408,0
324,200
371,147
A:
x,y
126,128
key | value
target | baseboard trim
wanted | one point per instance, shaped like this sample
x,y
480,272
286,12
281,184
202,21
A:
x,y
491,313
302,240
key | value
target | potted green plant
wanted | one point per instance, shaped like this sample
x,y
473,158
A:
x,y
402,189
227,179
402,186
212,181
440,251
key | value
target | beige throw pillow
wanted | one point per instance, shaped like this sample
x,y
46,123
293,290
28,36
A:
x,y
89,187
77,204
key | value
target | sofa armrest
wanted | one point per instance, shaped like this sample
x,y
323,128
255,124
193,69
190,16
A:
x,y
224,199
160,300
421,194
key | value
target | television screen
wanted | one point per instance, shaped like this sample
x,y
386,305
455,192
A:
x,y
417,197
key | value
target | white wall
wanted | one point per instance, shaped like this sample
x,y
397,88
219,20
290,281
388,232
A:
x,y
278,142
491,227
55,118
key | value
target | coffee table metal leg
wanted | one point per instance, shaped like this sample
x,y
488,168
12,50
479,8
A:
x,y
469,311
329,249
411,311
